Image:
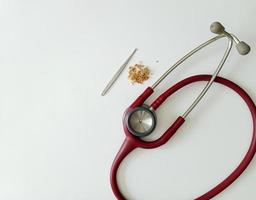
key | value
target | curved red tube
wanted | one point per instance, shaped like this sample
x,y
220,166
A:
x,y
131,142
125,149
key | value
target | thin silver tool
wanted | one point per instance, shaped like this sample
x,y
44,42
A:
x,y
117,74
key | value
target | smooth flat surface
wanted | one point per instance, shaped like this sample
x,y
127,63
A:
x,y
58,136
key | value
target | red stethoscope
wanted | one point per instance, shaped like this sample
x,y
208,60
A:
x,y
139,120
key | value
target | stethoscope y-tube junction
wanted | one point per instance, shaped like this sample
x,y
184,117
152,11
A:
x,y
139,120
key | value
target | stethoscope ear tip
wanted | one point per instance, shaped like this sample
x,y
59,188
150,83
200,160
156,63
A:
x,y
217,28
243,48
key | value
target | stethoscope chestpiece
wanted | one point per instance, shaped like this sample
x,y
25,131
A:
x,y
141,121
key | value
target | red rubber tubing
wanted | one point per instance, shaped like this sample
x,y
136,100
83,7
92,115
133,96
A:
x,y
131,142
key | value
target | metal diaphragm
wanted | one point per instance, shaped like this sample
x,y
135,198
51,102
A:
x,y
141,121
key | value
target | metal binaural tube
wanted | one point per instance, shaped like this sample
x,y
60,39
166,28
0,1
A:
x,y
184,58
214,75
235,38
217,28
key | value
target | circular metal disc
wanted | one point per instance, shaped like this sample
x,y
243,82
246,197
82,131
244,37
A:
x,y
141,121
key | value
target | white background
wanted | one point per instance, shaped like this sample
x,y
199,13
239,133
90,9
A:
x,y
58,136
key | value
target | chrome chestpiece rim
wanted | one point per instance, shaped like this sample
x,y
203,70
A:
x,y
141,121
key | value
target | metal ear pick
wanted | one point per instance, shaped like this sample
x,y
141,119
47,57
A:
x,y
117,74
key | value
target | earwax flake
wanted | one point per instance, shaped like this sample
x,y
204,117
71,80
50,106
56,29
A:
x,y
138,73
